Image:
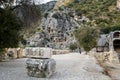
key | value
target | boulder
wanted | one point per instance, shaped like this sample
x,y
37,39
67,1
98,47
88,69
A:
x,y
38,52
40,68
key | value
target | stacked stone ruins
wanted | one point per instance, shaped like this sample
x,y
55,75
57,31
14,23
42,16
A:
x,y
109,47
39,62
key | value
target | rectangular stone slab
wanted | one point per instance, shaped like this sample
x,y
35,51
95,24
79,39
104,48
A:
x,y
38,52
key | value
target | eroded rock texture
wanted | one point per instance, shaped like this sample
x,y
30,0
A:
x,y
40,67
39,62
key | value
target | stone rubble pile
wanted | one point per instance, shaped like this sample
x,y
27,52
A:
x,y
39,62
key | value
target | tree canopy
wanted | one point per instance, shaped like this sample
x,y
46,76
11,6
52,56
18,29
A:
x,y
9,29
10,26
86,37
10,22
72,46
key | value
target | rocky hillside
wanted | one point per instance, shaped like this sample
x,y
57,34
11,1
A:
x,y
102,14
56,28
31,16
31,13
60,3
48,6
58,23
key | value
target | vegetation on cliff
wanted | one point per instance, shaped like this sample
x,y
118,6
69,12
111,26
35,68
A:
x,y
101,14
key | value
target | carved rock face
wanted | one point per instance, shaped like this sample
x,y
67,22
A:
x,y
38,52
40,67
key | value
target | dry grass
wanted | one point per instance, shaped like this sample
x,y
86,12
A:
x,y
102,62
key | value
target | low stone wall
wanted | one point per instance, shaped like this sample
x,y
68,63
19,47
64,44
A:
x,y
43,52
57,52
38,52
15,53
110,56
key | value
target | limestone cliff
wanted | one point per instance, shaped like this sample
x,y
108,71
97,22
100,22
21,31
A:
x,y
48,6
56,28
29,14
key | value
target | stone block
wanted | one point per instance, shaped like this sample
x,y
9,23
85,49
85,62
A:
x,y
38,52
15,53
40,68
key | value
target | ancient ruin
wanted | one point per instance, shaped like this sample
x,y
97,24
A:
x,y
39,62
110,45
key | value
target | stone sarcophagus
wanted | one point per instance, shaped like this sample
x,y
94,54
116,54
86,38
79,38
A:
x,y
40,67
39,62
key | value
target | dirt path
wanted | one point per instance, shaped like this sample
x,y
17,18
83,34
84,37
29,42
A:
x,y
69,67
113,70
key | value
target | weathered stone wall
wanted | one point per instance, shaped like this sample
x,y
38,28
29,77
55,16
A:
x,y
57,52
38,52
15,53
106,56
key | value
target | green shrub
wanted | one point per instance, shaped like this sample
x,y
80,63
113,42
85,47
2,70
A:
x,y
60,8
70,5
107,30
73,46
86,37
10,27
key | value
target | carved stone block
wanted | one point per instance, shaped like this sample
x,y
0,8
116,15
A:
x,y
40,68
38,52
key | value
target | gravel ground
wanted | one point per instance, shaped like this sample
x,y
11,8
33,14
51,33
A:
x,y
73,66
113,70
